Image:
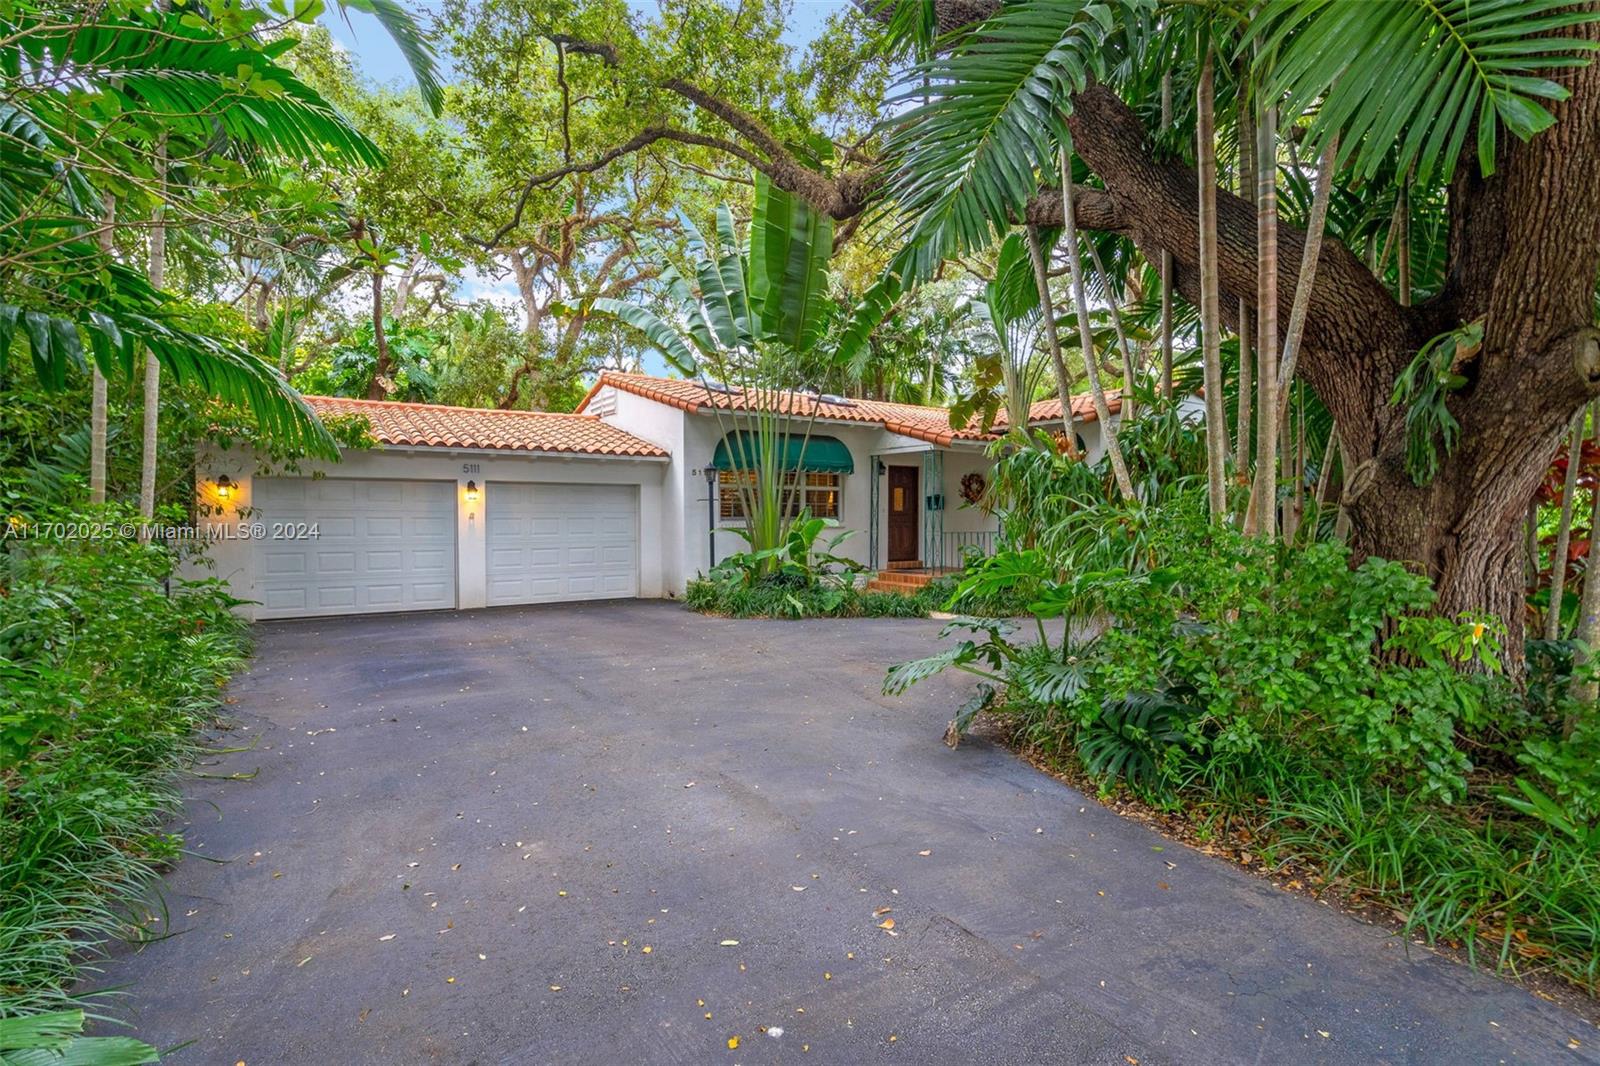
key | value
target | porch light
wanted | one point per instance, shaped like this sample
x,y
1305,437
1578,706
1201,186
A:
x,y
224,487
472,492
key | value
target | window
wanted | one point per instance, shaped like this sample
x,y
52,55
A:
x,y
820,493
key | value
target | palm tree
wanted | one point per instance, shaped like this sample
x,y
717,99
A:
x,y
1041,280
1210,311
1097,393
1264,499
1012,308
172,81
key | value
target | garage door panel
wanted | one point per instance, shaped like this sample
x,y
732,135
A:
x,y
284,600
561,542
336,596
385,562
380,546
432,527
431,560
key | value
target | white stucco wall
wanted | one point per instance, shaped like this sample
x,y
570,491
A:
x,y
234,560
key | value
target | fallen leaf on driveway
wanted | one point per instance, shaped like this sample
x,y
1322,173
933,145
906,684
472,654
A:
x,y
887,923
926,852
729,944
733,1043
385,939
881,911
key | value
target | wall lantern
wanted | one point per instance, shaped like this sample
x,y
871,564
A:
x,y
472,492
882,468
224,487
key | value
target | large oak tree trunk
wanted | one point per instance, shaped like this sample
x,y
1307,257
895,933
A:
x,y
1524,253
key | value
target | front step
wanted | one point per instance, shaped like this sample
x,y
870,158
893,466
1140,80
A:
x,y
902,581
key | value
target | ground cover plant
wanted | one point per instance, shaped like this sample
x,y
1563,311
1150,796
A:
x,y
110,664
1320,718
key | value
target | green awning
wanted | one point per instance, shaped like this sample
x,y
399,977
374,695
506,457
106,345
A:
x,y
826,454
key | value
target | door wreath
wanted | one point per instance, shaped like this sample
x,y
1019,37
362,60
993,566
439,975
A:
x,y
972,487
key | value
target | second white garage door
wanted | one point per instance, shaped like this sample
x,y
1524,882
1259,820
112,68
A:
x,y
550,542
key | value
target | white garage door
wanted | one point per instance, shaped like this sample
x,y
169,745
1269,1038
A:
x,y
378,546
561,542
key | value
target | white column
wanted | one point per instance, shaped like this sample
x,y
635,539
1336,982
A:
x,y
472,557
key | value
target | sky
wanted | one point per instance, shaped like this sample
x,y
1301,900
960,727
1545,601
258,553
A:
x,y
380,61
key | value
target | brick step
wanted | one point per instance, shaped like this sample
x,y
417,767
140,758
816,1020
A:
x,y
904,564
900,580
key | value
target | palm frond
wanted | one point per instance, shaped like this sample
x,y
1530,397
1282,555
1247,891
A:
x,y
1427,74
976,125
413,44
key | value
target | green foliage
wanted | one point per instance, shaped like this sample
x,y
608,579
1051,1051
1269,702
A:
x,y
796,559
110,663
92,94
982,118
783,597
55,1039
1425,75
1134,736
347,367
1324,708
1424,388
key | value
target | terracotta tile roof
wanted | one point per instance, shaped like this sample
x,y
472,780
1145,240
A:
x,y
1050,410
433,425
931,424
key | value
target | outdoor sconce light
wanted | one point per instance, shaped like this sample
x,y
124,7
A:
x,y
224,487
472,492
882,468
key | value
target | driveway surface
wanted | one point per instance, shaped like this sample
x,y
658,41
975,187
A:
x,y
625,833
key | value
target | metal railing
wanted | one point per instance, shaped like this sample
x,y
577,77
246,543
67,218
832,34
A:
x,y
956,546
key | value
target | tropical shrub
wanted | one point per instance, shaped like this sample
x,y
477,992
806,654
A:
x,y
110,664
1323,711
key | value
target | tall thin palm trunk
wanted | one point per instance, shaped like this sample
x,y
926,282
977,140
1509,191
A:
x,y
99,402
1403,244
1324,478
152,369
1247,356
1080,297
1316,225
1588,629
1266,483
1129,364
1047,311
1558,561
1210,300
1166,262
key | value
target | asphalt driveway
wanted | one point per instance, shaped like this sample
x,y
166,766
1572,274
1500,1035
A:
x,y
625,833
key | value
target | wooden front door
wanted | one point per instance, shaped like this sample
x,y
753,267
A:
x,y
903,513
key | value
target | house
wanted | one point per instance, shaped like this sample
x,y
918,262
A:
x,y
630,496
